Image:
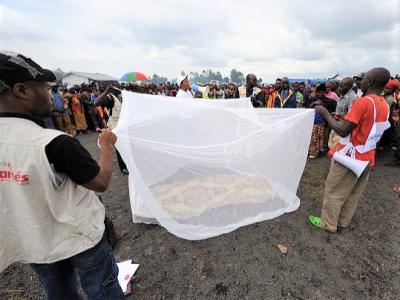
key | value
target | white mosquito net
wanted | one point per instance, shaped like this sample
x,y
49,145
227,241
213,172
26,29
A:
x,y
201,168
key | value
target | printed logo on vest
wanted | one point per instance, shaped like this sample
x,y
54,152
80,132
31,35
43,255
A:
x,y
7,174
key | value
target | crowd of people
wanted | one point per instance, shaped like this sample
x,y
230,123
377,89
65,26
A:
x,y
64,234
74,110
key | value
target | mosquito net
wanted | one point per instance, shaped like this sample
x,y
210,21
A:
x,y
201,168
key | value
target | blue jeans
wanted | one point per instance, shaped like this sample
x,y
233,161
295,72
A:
x,y
97,271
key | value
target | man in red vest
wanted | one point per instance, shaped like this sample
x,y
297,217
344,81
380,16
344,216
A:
x,y
360,130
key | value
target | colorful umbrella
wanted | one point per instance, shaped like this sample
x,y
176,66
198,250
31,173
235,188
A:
x,y
134,76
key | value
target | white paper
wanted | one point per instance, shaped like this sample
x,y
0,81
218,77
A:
x,y
355,165
126,271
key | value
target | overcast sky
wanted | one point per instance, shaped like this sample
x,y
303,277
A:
x,y
314,38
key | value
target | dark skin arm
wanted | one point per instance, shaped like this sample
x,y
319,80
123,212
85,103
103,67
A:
x,y
102,97
342,128
101,182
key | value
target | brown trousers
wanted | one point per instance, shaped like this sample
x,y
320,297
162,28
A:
x,y
343,190
63,123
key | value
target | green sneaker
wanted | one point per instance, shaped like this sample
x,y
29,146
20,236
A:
x,y
314,220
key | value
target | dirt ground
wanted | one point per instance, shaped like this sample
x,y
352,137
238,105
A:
x,y
361,262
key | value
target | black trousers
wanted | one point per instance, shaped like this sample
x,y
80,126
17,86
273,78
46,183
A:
x,y
397,155
91,118
121,162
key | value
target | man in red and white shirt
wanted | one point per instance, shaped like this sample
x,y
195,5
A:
x,y
361,129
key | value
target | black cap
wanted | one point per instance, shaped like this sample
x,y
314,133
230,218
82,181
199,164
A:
x,y
16,68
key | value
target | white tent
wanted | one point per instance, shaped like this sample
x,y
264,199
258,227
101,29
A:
x,y
81,77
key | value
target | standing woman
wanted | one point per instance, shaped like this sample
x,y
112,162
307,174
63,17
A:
x,y
78,112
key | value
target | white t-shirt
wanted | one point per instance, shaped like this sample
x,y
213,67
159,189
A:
x,y
115,112
182,93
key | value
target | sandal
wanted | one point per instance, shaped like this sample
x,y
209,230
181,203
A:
x,y
314,220
396,189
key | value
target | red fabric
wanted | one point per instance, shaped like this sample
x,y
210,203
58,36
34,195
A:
x,y
75,104
271,99
362,114
393,84
333,96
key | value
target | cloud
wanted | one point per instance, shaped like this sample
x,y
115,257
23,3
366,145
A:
x,y
14,26
343,20
292,38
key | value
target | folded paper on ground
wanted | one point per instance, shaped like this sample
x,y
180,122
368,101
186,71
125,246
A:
x,y
126,270
201,168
